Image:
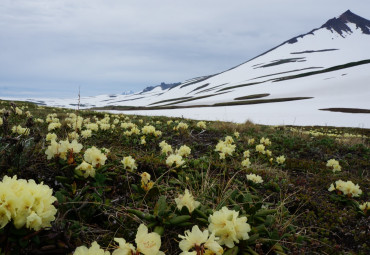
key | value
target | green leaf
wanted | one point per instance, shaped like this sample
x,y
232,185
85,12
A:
x,y
160,206
179,219
232,251
159,230
59,196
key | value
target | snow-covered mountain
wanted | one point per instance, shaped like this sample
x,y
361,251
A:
x,y
328,67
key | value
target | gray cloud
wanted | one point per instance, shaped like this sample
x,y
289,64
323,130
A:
x,y
52,47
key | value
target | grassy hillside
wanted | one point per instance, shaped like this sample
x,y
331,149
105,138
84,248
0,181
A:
x,y
128,181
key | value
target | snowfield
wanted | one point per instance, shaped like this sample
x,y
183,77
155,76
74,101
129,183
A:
x,y
346,85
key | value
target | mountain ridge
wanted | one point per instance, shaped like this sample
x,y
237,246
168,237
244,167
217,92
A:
x,y
326,68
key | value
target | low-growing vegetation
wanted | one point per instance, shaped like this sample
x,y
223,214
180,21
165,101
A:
x,y
85,182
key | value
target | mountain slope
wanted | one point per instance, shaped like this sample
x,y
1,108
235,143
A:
x,y
289,84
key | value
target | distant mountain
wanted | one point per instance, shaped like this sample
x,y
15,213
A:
x,y
128,92
301,81
163,86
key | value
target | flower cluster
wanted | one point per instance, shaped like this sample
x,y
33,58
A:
x,y
347,188
181,126
230,228
20,130
186,200
225,147
54,125
254,178
265,141
334,164
166,148
26,203
202,125
86,133
146,130
18,111
62,148
246,162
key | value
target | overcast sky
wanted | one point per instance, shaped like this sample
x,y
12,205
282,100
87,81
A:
x,y
49,48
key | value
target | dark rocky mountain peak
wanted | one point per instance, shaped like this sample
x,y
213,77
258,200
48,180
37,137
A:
x,y
340,24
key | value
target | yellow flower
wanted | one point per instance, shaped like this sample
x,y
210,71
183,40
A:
x,y
365,206
186,200
95,157
146,130
18,111
26,203
230,228
260,148
20,130
247,154
268,153
174,159
89,169
129,163
147,243
225,147
51,136
334,164
146,184
86,133
202,124
265,141
124,248
246,162
53,126
142,140
250,141
198,240
280,159
254,178
93,250
183,151
181,126
347,188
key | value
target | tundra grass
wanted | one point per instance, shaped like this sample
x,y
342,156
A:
x,y
290,212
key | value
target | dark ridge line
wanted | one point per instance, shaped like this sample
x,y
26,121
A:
x,y
198,88
252,96
330,69
296,70
281,62
312,51
346,110
249,102
133,99
196,98
169,100
210,89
